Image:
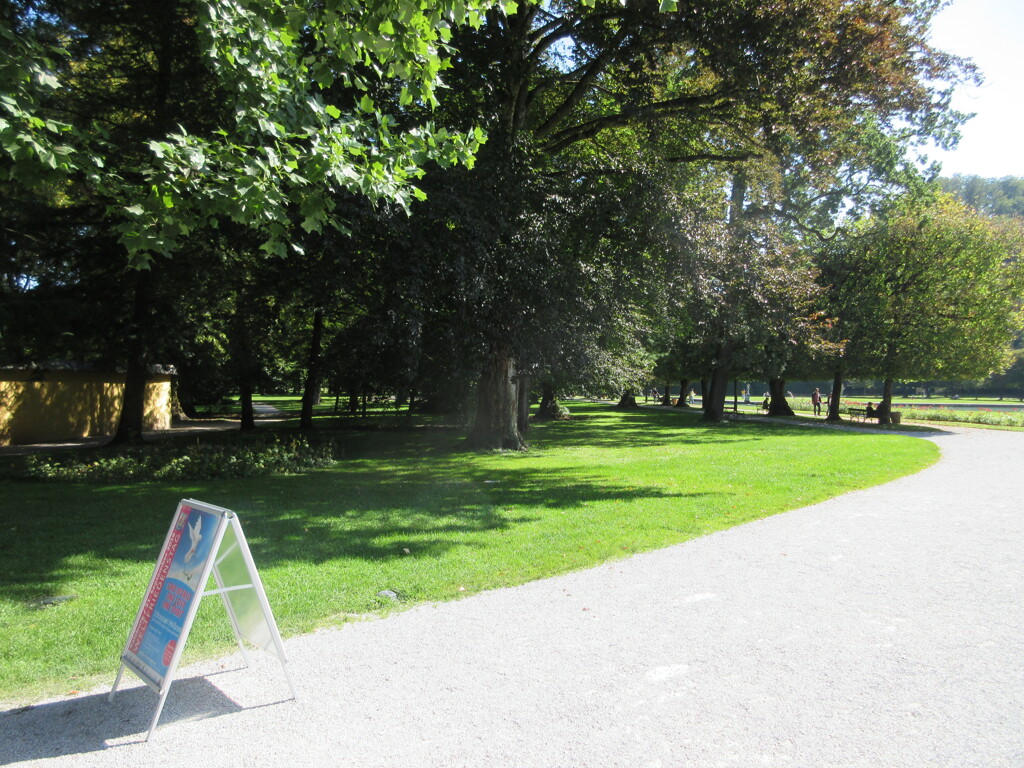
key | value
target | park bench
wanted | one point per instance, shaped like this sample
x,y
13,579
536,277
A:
x,y
862,414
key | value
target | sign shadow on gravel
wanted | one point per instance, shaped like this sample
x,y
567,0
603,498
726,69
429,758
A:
x,y
92,723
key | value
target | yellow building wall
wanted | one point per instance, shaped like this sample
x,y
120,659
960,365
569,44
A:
x,y
71,404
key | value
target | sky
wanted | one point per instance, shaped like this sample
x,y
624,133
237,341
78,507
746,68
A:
x,y
990,32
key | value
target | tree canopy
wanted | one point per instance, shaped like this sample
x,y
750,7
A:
x,y
478,197
932,290
310,100
992,197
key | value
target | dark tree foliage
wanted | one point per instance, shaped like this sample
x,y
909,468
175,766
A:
x,y
560,259
818,86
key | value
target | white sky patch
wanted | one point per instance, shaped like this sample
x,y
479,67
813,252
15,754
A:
x,y
990,33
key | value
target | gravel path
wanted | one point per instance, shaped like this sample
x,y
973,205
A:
x,y
880,629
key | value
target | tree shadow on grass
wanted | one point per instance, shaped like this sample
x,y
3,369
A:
x,y
393,487
357,511
426,514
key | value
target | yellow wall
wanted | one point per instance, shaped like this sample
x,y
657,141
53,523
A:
x,y
70,404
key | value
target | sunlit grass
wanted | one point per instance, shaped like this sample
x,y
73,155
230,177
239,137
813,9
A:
x,y
404,512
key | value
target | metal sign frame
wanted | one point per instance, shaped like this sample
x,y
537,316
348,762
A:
x,y
170,605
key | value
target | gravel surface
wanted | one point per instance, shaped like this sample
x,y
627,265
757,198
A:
x,y
880,629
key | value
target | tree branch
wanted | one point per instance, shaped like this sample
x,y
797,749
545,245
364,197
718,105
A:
x,y
596,67
586,130
714,158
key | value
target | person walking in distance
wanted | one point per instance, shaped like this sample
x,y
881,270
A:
x,y
816,402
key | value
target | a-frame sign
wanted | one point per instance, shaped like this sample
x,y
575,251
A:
x,y
203,541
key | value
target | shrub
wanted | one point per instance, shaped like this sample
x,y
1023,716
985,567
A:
x,y
179,461
981,416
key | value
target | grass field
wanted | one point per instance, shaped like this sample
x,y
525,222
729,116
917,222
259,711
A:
x,y
403,511
985,413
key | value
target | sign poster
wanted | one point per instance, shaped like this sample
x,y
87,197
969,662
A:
x,y
203,541
180,574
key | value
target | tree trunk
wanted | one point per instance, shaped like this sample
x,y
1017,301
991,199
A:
x,y
311,394
133,407
837,394
133,404
410,406
684,391
778,405
181,409
496,424
628,400
714,396
885,407
523,398
245,400
548,408
666,398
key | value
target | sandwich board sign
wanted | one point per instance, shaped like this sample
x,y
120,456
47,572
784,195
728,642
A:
x,y
203,541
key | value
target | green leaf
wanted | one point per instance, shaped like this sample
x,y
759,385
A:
x,y
274,248
366,104
668,6
333,111
47,80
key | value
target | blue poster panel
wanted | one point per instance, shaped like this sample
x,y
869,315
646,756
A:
x,y
181,571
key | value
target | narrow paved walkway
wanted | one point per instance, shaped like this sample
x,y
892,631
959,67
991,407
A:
x,y
881,629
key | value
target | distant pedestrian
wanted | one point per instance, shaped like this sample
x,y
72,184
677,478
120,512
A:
x,y
816,402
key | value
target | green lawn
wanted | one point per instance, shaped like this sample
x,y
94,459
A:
x,y
405,512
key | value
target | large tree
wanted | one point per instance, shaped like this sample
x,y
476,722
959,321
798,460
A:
x,y
309,99
165,118
297,86
813,84
993,197
932,290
